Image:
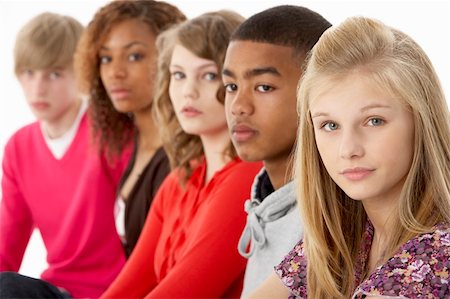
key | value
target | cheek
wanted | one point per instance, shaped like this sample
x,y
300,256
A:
x,y
218,111
327,151
227,109
400,162
26,88
102,73
66,87
174,93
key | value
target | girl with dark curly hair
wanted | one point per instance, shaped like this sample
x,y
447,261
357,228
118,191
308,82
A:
x,y
116,63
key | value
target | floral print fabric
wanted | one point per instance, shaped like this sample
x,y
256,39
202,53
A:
x,y
419,269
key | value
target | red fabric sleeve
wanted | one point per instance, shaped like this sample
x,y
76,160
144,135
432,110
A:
x,y
213,263
16,222
137,277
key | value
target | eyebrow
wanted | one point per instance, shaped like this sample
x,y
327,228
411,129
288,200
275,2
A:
x,y
203,66
127,46
363,109
254,72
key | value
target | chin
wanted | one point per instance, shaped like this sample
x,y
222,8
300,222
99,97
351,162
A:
x,y
124,110
248,157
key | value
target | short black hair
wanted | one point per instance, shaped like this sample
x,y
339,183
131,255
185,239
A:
x,y
285,25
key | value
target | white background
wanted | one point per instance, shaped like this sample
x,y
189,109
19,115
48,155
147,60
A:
x,y
426,21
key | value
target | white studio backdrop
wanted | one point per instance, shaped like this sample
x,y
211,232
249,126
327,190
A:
x,y
428,22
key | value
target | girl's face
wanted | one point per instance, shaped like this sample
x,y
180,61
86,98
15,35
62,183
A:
x,y
365,138
194,83
127,65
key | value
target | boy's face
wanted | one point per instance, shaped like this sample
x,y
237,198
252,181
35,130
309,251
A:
x,y
49,92
260,102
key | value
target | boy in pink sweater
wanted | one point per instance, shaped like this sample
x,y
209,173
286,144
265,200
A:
x,y
54,178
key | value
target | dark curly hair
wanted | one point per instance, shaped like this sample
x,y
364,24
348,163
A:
x,y
112,129
207,36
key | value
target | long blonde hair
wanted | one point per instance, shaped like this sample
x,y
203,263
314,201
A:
x,y
207,36
334,222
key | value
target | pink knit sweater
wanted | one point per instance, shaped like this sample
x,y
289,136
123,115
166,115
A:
x,y
71,202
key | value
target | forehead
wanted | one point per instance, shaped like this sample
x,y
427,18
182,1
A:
x,y
129,30
349,93
183,57
242,56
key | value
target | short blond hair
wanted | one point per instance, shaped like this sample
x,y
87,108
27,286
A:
x,y
48,40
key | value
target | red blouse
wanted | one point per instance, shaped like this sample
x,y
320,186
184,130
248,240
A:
x,y
188,246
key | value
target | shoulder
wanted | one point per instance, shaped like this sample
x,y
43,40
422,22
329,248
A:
x,y
30,129
173,178
421,266
24,136
236,170
292,270
158,167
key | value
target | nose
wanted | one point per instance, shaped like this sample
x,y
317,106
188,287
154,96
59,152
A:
x,y
190,88
116,69
352,144
39,86
240,103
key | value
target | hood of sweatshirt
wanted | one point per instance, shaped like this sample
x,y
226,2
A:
x,y
261,211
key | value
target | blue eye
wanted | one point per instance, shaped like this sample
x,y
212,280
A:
x,y
264,88
210,76
375,122
230,87
330,126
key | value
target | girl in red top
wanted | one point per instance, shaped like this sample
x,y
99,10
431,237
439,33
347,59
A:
x,y
187,248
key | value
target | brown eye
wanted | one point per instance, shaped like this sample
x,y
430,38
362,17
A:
x,y
230,87
264,88
105,59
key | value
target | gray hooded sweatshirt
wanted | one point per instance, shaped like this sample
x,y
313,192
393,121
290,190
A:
x,y
272,230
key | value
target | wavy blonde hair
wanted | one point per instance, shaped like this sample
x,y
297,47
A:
x,y
207,36
334,222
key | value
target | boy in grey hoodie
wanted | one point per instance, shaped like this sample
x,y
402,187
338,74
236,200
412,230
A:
x,y
262,68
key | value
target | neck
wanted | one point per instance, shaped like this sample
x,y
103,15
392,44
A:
x,y
278,172
57,127
213,148
382,210
149,138
380,213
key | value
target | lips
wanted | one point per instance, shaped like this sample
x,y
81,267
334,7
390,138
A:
x,y
242,133
119,93
190,111
40,105
357,173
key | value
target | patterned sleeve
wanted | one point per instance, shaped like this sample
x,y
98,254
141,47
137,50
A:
x,y
292,271
419,269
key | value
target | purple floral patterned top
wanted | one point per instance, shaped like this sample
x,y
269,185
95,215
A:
x,y
419,269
